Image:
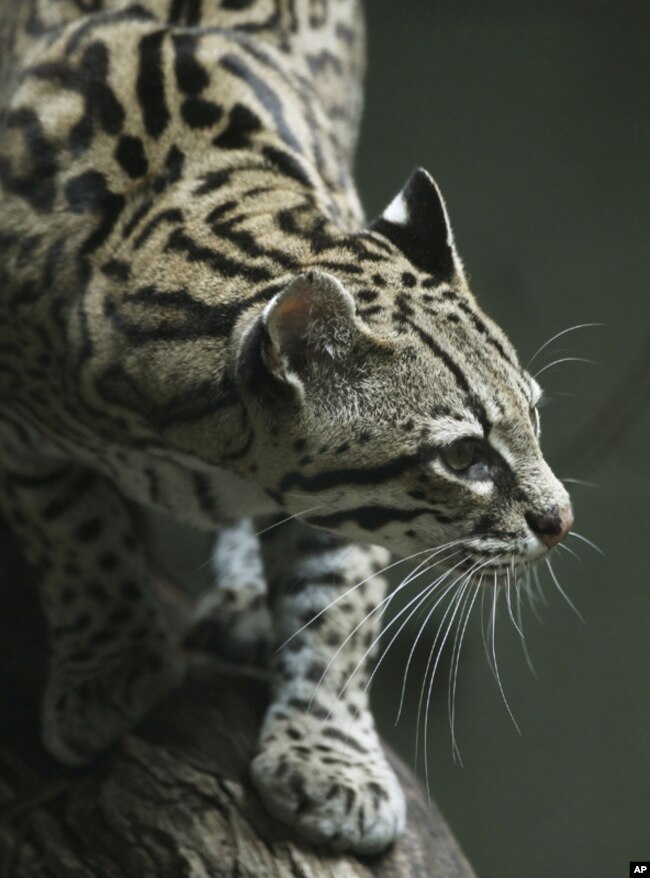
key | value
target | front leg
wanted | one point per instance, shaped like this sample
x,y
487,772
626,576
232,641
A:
x,y
321,767
233,618
110,655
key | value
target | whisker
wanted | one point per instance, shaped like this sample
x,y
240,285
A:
x,y
539,590
418,599
564,360
524,645
427,709
455,603
484,634
570,551
454,599
564,594
452,663
578,536
289,518
202,566
270,527
419,634
451,702
349,591
509,603
532,602
581,482
494,656
559,335
385,602
309,495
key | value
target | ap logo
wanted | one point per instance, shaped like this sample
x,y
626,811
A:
x,y
640,869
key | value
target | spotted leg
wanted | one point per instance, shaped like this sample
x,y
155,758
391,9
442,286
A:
x,y
320,766
233,618
110,656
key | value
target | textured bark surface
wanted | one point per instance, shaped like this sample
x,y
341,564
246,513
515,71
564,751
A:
x,y
174,799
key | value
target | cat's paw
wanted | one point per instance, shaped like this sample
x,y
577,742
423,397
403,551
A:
x,y
88,708
347,802
234,623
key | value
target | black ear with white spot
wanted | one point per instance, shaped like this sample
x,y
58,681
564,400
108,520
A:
x,y
416,221
308,327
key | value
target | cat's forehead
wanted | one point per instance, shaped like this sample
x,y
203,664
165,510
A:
x,y
461,356
446,348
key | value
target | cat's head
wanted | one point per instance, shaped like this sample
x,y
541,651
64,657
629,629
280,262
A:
x,y
393,410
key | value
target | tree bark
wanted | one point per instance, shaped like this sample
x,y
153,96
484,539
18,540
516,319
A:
x,y
174,799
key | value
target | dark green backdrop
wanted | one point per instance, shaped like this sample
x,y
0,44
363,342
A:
x,y
534,121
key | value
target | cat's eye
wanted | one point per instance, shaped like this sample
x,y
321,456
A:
x,y
460,456
467,458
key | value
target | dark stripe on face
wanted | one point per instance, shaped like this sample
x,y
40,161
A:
x,y
367,476
453,367
473,403
150,86
481,327
367,517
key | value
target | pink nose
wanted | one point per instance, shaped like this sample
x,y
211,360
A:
x,y
551,526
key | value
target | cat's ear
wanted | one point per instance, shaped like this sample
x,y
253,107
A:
x,y
417,223
307,327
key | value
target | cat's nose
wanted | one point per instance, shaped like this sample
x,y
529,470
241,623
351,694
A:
x,y
552,525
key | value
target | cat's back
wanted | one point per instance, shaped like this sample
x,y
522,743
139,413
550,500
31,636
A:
x,y
103,103
101,116
328,39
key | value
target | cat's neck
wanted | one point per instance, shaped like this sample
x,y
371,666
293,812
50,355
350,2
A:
x,y
224,239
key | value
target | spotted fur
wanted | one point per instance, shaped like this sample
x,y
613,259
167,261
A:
x,y
194,316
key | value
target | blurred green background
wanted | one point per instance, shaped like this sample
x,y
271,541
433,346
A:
x,y
533,119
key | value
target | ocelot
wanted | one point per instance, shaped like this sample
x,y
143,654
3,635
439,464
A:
x,y
195,316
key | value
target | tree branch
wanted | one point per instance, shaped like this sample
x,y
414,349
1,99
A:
x,y
173,800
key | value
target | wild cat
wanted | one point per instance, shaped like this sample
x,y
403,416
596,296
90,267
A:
x,y
196,317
